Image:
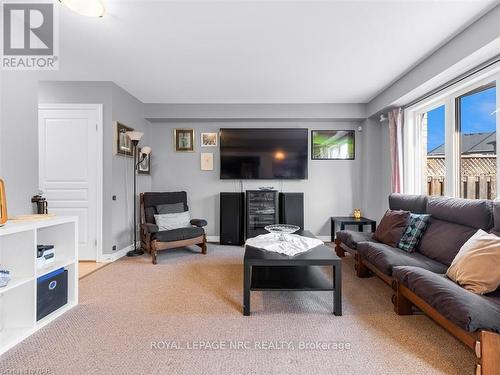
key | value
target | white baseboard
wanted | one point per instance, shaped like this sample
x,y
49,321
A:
x,y
213,239
106,258
324,238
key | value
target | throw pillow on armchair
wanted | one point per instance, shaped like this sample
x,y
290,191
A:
x,y
391,227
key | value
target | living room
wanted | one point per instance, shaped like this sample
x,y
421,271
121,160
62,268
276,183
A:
x,y
249,187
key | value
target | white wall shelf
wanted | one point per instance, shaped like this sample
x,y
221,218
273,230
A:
x,y
18,249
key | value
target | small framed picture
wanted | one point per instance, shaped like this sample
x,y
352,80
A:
x,y
144,167
184,140
332,144
207,161
123,142
209,139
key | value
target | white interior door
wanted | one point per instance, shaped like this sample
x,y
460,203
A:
x,y
70,158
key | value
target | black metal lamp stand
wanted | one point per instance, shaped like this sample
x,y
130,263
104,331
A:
x,y
137,251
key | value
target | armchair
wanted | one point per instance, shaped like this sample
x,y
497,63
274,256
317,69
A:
x,y
153,240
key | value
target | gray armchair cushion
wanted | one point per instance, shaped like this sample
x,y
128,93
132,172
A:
x,y
174,208
150,228
385,257
416,204
178,234
199,222
467,310
351,238
151,200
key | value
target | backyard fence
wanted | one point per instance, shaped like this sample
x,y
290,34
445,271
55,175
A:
x,y
478,176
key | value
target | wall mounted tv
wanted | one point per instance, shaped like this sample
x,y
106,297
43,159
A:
x,y
255,153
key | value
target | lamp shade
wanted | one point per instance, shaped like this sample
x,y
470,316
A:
x,y
146,150
89,8
134,135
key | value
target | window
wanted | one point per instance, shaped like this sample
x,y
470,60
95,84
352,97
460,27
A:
x,y
450,142
478,154
433,128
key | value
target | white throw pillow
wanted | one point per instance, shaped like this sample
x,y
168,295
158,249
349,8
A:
x,y
173,221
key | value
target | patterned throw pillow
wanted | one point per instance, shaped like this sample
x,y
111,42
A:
x,y
413,232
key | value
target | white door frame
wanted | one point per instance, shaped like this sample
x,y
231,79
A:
x,y
99,166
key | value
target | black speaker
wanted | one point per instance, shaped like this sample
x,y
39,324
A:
x,y
292,209
232,218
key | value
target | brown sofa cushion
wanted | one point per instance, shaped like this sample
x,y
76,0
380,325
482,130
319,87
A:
x,y
477,265
391,227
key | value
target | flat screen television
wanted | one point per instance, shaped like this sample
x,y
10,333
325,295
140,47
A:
x,y
255,153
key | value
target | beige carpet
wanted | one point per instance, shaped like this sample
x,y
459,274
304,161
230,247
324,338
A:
x,y
190,299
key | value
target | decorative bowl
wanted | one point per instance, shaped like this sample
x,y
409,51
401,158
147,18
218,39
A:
x,y
282,230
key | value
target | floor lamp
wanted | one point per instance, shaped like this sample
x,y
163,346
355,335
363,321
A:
x,y
135,137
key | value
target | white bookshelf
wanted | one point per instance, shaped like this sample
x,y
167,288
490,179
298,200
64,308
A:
x,y
18,242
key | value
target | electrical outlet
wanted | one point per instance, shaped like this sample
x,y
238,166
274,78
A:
x,y
114,247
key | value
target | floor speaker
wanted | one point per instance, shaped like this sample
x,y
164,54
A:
x,y
232,218
292,209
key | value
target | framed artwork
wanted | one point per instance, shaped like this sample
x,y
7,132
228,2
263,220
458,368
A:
x,y
3,204
332,144
209,139
184,140
144,167
207,161
123,142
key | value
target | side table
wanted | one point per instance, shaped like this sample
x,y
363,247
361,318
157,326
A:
x,y
347,220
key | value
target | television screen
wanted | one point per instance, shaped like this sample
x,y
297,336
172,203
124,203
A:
x,y
254,153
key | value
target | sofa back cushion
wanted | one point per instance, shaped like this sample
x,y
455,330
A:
x,y
416,204
442,240
391,227
496,217
475,213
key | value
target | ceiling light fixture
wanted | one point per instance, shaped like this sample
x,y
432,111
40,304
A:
x,y
89,8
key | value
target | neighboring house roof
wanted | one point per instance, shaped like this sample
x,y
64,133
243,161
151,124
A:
x,y
476,143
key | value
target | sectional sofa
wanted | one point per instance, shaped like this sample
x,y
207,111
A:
x,y
419,279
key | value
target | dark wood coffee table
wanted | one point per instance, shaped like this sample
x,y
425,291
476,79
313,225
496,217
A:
x,y
266,270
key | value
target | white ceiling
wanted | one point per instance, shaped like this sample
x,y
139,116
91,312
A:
x,y
257,51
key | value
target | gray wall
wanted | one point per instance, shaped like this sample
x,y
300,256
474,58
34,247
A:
x,y
333,187
129,111
19,139
376,175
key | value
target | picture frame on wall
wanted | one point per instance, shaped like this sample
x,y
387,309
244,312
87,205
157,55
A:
x,y
333,144
207,161
209,139
123,142
184,140
144,167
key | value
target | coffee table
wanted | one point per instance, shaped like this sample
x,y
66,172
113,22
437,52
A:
x,y
266,270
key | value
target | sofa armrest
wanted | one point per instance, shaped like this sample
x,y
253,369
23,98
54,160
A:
x,y
150,228
199,222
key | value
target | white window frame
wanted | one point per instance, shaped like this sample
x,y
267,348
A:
x,y
414,156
